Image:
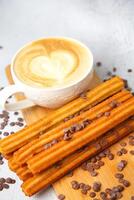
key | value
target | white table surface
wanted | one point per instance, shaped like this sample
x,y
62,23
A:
x,y
105,26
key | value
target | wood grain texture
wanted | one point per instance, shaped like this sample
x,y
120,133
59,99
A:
x,y
106,173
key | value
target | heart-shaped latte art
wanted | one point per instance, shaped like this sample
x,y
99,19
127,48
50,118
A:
x,y
58,65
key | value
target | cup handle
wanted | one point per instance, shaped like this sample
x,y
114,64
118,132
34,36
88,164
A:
x,y
8,91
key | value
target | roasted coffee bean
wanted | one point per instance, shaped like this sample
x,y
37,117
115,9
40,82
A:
x,y
103,195
5,133
102,154
129,70
121,165
120,188
126,183
13,181
82,185
107,114
108,191
123,144
75,185
96,186
2,180
98,64
67,136
93,160
20,119
61,196
84,166
94,173
92,194
12,124
16,113
99,115
114,69
87,187
9,180
1,162
131,152
6,186
124,151
96,166
109,73
131,142
100,163
110,156
113,104
119,175
83,191
119,153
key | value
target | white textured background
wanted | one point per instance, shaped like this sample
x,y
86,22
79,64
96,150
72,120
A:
x,y
105,26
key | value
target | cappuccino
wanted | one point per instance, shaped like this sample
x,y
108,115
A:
x,y
53,62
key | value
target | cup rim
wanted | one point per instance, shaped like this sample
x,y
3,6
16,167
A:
x,y
51,88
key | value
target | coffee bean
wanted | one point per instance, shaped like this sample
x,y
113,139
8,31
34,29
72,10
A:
x,y
92,194
126,183
67,136
109,73
123,144
9,180
108,191
129,70
6,186
107,114
131,142
119,175
2,180
103,195
114,69
82,185
121,165
84,166
75,185
96,186
94,173
16,113
93,160
1,162
84,191
124,151
13,181
131,152
20,119
110,156
113,104
61,196
5,133
100,163
12,124
98,64
120,188
99,115
119,153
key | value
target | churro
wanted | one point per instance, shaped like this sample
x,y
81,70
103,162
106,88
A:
x,y
98,94
44,179
38,145
97,128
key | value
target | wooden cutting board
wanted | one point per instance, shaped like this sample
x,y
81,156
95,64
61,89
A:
x,y
106,173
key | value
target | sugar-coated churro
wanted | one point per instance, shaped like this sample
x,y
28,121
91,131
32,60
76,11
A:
x,y
101,92
47,158
37,145
44,179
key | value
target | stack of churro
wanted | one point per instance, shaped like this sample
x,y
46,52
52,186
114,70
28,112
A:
x,y
70,135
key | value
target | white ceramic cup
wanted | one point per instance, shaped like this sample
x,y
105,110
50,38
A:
x,y
46,97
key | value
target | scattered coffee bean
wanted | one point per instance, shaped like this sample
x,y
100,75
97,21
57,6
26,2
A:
x,y
126,183
114,69
131,152
12,124
5,133
6,186
110,156
119,153
61,196
113,104
67,136
123,144
20,119
124,151
2,180
16,113
92,194
98,64
119,175
1,162
75,185
1,187
121,165
129,70
96,186
103,195
93,173
107,114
